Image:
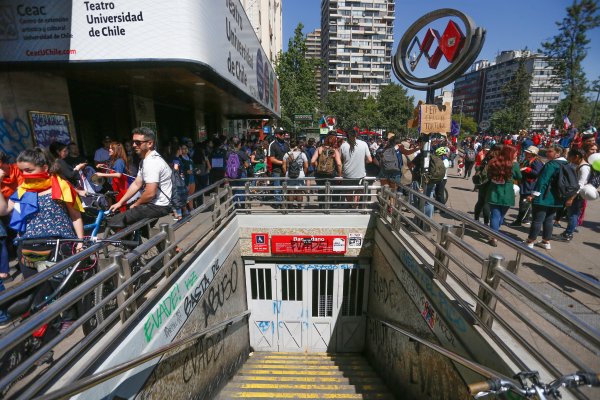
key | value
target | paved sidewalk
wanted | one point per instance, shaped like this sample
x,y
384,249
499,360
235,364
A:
x,y
582,253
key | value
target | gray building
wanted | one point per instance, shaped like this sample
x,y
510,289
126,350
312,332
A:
x,y
356,45
313,51
543,93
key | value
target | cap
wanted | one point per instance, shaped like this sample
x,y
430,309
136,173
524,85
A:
x,y
391,135
532,150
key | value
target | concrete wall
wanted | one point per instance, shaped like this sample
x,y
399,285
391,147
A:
x,y
411,371
200,370
21,92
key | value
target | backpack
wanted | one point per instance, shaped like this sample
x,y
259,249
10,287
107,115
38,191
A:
x,y
234,166
481,175
326,161
293,169
310,152
437,169
389,161
179,190
594,178
217,159
567,184
470,155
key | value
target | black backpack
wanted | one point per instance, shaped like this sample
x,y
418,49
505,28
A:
x,y
566,182
293,167
179,190
389,161
594,178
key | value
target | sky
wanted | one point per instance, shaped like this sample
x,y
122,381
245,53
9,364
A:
x,y
510,24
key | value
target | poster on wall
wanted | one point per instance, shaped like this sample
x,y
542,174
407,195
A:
x,y
47,127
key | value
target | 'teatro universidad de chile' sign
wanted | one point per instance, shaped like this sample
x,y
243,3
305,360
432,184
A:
x,y
425,50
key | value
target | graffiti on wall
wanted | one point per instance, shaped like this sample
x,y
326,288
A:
x,y
405,361
15,136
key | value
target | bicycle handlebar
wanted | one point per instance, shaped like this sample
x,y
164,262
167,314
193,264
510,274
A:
x,y
569,381
52,241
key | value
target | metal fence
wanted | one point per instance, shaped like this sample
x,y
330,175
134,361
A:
x,y
496,289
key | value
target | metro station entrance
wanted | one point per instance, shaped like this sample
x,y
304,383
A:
x,y
302,307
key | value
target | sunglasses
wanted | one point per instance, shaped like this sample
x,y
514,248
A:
x,y
139,142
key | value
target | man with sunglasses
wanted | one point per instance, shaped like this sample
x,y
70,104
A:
x,y
153,178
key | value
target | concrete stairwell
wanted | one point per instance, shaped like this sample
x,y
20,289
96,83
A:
x,y
306,376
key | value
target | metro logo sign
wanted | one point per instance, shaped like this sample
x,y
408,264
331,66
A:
x,y
449,45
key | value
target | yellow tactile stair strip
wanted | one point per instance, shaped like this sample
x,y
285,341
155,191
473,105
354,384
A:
x,y
306,376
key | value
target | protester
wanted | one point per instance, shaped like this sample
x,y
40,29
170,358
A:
x,y
545,200
328,164
60,151
575,203
277,149
295,162
502,170
530,170
355,153
101,155
187,169
116,170
470,156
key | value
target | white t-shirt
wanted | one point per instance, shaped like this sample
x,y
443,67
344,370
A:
x,y
447,165
353,164
297,155
153,169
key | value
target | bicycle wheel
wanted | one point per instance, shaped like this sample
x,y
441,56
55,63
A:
x,y
100,292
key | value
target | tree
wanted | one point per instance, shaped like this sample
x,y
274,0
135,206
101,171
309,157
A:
x,y
516,114
346,107
467,124
395,107
296,76
566,51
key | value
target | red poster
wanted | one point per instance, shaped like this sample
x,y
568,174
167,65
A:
x,y
260,242
306,244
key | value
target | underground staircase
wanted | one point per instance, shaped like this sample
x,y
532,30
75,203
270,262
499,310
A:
x,y
305,376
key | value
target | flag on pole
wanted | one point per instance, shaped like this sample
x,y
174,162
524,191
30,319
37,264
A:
x,y
567,122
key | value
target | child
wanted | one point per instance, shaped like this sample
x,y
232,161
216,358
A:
x,y
461,165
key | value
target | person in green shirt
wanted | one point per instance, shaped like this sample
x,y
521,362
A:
x,y
545,201
502,170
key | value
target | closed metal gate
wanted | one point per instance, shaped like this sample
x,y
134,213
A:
x,y
313,307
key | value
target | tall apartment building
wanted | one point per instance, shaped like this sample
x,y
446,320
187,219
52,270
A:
x,y
265,17
356,45
313,51
481,90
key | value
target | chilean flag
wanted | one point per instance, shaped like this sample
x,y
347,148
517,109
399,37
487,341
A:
x,y
567,122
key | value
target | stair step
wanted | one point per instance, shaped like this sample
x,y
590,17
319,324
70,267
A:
x,y
226,394
297,372
332,367
357,380
338,388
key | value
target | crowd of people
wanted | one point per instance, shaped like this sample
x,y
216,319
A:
x,y
41,188
539,168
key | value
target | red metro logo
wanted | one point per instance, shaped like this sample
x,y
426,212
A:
x,y
459,49
449,45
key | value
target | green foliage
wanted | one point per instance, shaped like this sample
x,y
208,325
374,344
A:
x,y
390,110
516,113
567,49
395,106
296,76
467,124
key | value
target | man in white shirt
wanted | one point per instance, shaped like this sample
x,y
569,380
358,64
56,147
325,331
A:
x,y
355,154
154,178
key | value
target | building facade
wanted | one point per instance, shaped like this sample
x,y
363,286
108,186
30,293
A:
x,y
356,45
265,17
313,51
480,91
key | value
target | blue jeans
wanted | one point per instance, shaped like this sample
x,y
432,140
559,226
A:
x,y
497,214
573,213
277,182
425,206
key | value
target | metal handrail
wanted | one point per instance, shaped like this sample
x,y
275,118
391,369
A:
x,y
224,210
93,380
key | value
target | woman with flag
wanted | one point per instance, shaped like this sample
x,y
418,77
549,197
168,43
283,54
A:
x,y
45,205
117,170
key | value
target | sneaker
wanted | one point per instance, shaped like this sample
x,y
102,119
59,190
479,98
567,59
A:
x,y
515,224
566,236
557,225
526,224
529,244
544,245
493,242
4,319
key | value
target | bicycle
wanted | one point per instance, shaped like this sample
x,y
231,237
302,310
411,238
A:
x,y
535,389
